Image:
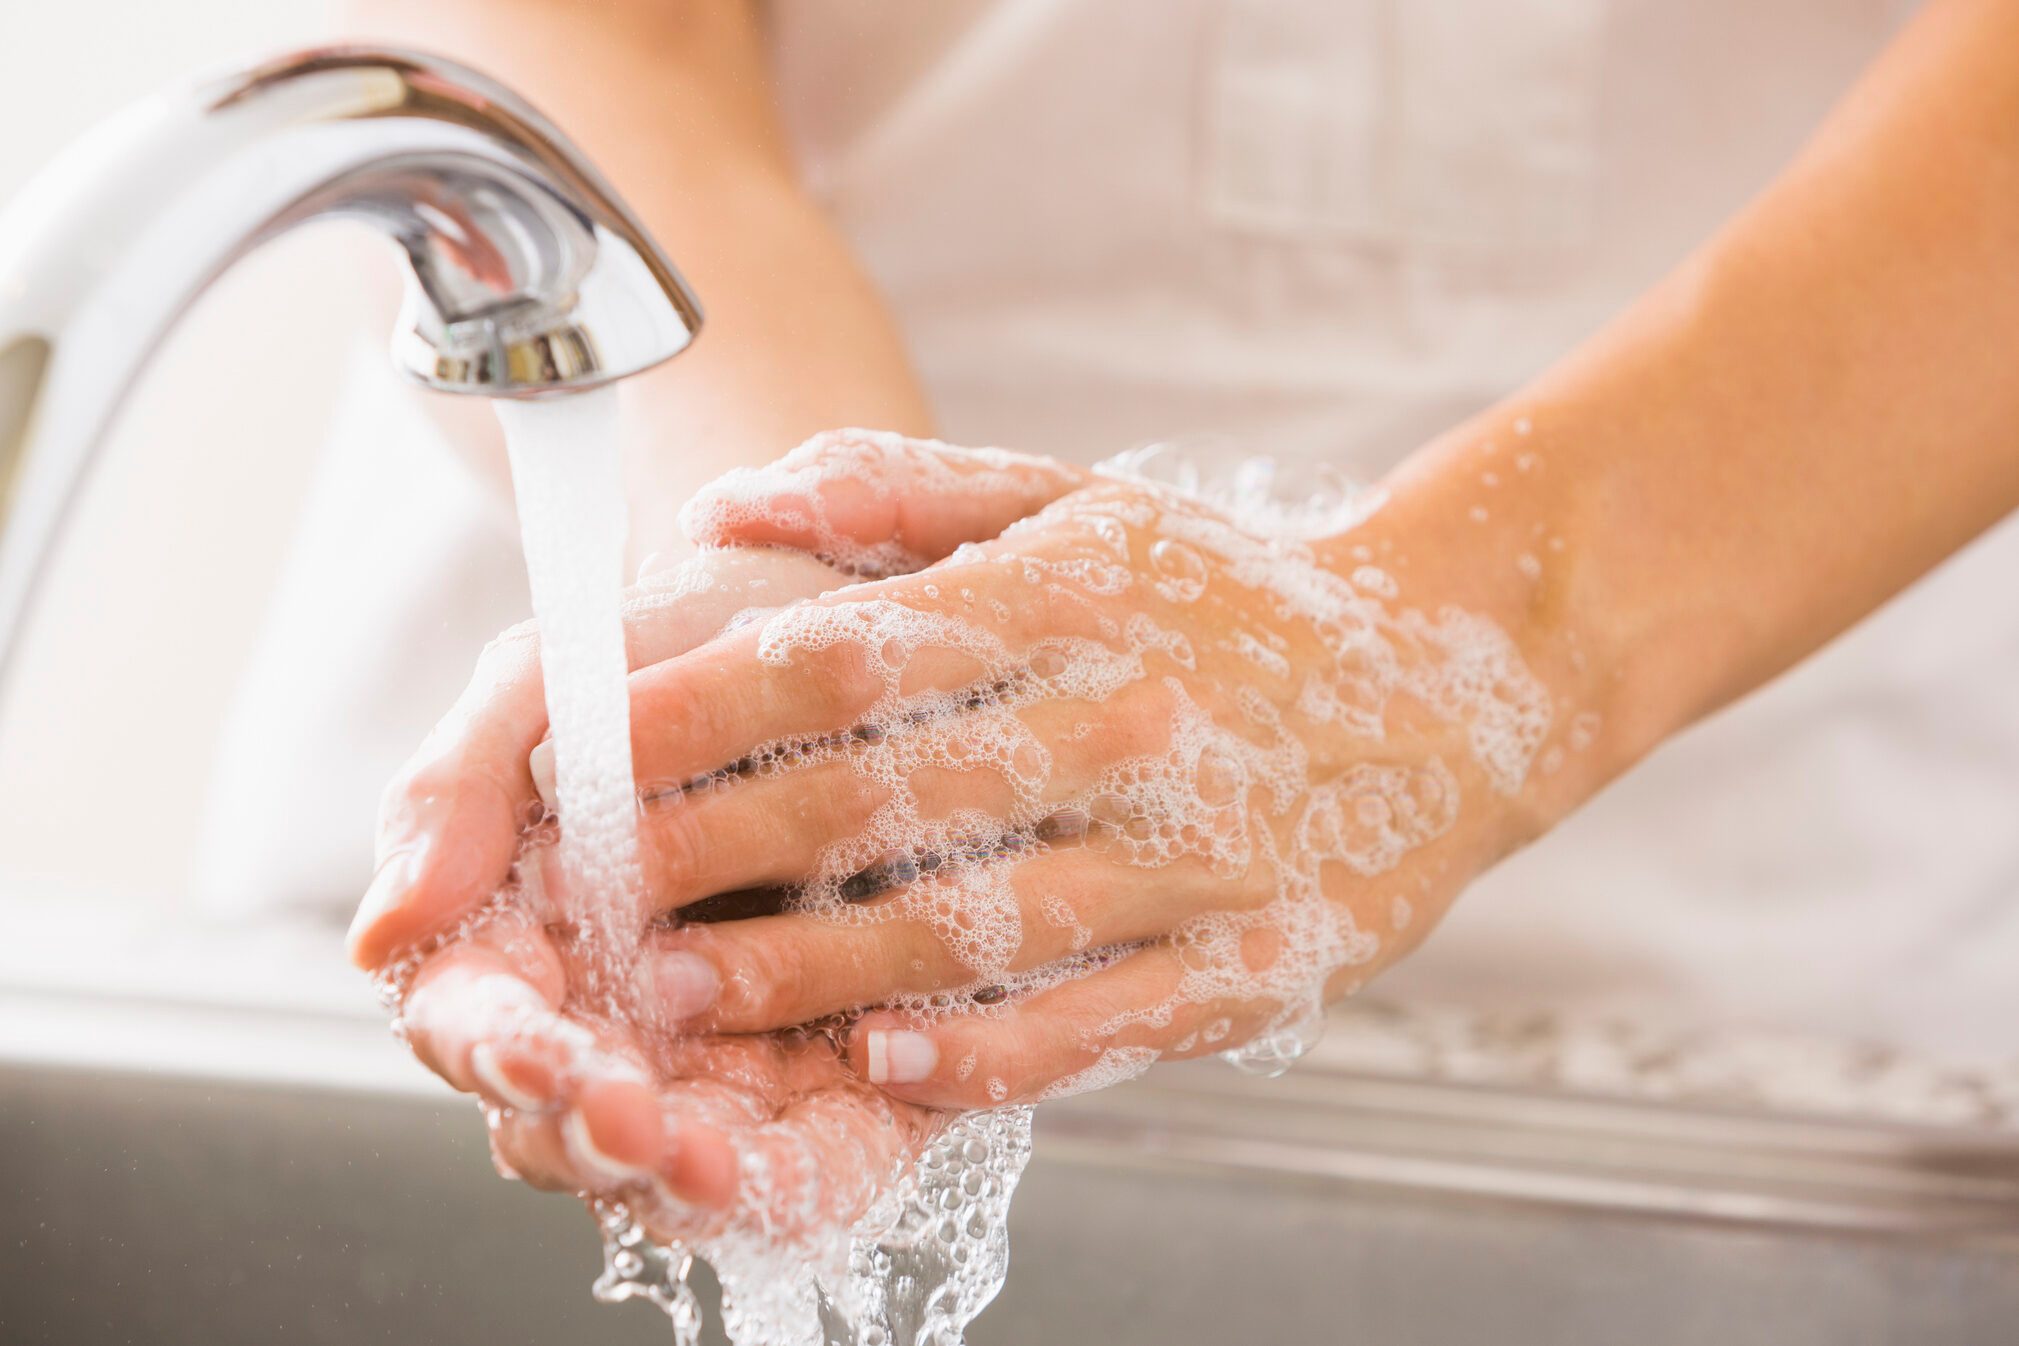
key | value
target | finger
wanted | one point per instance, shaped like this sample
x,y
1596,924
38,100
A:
x,y
450,822
493,987
575,1115
667,1148
804,807
484,1014
485,1031
620,1134
705,712
876,503
776,823
1085,1033
963,926
821,1161
822,1142
675,1142
735,833
611,1139
953,640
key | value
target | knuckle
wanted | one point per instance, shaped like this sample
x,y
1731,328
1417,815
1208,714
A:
x,y
1018,1066
761,976
676,837
729,711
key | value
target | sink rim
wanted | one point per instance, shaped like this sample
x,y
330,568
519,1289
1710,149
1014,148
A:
x,y
1321,1124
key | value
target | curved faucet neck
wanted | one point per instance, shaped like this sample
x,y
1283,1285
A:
x,y
526,274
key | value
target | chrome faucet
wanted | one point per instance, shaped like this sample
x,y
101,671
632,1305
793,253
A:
x,y
526,275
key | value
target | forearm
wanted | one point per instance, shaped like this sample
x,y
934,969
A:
x,y
1808,415
673,102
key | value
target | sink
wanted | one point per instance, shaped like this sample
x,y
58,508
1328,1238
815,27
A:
x,y
178,1168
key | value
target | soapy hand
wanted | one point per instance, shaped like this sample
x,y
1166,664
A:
x,y
1130,781
484,986
770,1131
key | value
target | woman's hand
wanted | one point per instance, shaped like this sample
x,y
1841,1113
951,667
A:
x,y
696,1133
842,505
1126,782
580,1103
577,1103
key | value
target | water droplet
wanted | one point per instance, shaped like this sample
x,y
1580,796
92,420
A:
x,y
1048,662
1182,569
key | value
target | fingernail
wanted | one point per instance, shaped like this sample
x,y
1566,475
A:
x,y
396,877
541,763
688,983
582,1149
899,1056
484,1065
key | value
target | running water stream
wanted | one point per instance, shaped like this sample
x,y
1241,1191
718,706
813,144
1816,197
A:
x,y
934,1251
567,480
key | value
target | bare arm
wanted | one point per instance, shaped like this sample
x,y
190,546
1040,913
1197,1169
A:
x,y
673,102
1814,410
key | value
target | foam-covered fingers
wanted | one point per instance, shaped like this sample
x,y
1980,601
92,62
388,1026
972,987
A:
x,y
771,824
737,833
707,709
484,1014
771,972
1101,1028
917,652
774,816
681,605
450,822
876,503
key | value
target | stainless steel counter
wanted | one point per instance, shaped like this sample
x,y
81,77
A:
x,y
179,1168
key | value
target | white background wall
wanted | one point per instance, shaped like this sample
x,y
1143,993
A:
x,y
107,726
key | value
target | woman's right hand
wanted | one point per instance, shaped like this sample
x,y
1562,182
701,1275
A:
x,y
483,988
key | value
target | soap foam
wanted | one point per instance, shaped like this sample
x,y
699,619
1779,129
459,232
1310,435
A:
x,y
1230,779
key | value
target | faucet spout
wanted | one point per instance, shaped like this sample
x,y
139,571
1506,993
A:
x,y
526,275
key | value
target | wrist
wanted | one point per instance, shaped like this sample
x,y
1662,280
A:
x,y
1482,521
